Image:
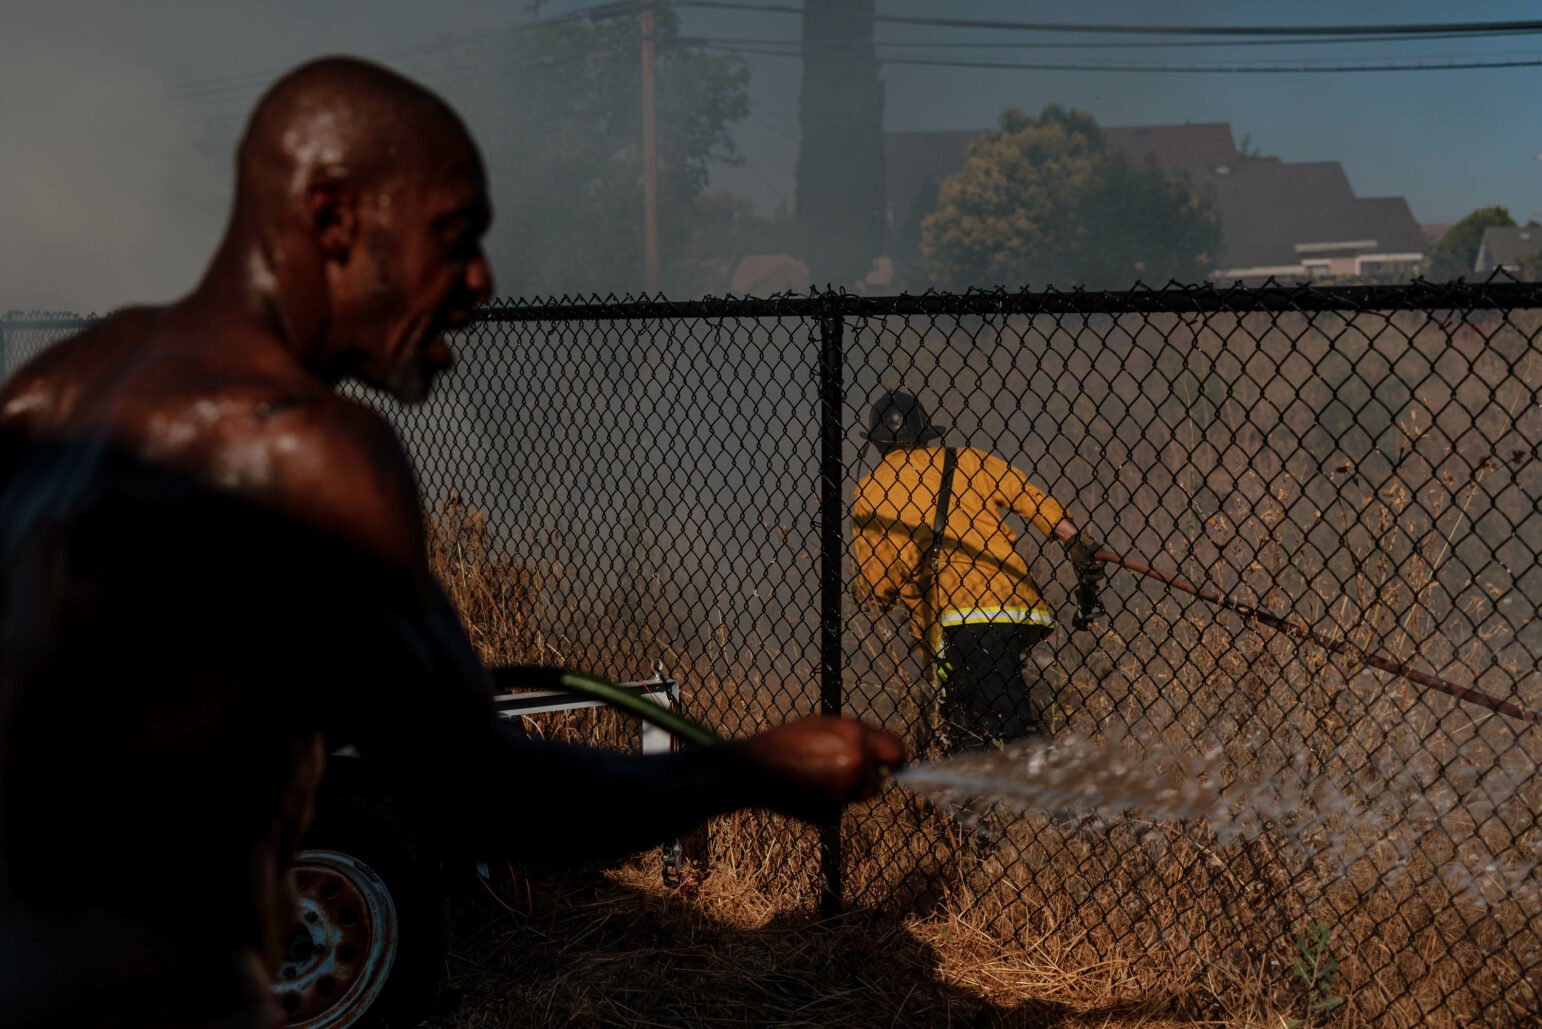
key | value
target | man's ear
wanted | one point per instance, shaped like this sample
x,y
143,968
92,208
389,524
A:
x,y
333,209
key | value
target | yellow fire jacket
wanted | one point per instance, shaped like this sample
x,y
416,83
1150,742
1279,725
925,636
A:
x,y
980,575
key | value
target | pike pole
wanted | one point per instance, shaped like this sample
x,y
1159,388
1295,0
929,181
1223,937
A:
x,y
1400,669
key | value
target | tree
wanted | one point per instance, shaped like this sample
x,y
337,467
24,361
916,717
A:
x,y
1529,268
1045,201
840,174
558,110
1457,250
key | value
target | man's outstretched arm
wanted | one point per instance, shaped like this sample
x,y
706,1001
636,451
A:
x,y
425,721
421,711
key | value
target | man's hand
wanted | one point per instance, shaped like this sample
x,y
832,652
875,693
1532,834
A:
x,y
816,766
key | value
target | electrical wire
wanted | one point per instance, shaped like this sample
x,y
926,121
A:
x,y
1412,29
937,44
224,88
1202,69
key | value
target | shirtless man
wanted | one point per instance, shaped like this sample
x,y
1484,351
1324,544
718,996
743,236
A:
x,y
214,571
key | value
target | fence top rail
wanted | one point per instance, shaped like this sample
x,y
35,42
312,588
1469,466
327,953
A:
x,y
1498,293
46,325
43,321
1493,294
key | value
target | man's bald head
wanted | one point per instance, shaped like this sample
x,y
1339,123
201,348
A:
x,y
348,120
360,206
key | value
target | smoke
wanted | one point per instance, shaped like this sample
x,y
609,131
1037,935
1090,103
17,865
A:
x,y
105,199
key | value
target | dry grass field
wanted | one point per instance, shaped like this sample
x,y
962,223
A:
x,y
1323,919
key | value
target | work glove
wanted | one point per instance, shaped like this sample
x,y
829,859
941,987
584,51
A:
x,y
1089,576
1082,549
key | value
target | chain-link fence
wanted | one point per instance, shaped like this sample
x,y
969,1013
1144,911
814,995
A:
x,y
1324,483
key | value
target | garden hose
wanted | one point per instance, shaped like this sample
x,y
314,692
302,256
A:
x,y
1401,669
668,719
594,688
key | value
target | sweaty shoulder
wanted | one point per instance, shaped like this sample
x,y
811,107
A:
x,y
338,467
240,417
43,392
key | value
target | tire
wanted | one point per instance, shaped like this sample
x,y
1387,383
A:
x,y
369,945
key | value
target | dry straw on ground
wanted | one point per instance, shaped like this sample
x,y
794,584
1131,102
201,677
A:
x,y
1127,925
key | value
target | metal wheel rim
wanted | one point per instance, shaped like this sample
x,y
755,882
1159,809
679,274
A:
x,y
349,919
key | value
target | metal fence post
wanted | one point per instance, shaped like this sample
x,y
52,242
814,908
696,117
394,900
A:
x,y
831,520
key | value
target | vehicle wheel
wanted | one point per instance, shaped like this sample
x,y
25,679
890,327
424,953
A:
x,y
369,944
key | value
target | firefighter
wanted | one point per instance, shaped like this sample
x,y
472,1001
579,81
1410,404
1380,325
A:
x,y
929,533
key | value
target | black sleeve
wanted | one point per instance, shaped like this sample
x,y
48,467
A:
x,y
424,721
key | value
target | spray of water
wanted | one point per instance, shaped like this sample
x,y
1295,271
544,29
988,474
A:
x,y
1330,825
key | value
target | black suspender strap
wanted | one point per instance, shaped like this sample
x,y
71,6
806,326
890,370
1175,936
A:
x,y
944,495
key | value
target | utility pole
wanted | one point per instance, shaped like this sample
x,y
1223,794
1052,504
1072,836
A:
x,y
650,158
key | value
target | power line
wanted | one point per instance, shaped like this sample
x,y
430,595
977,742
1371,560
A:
x,y
1413,29
221,87
218,87
1228,69
793,48
935,44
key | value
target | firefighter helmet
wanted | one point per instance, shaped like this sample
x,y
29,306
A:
x,y
899,420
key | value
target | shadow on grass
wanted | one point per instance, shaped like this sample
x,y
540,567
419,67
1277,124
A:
x,y
598,948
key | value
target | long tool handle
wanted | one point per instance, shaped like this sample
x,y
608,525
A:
x,y
1398,668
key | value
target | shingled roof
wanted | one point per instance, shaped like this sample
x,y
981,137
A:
x,y
1505,246
1274,214
1197,145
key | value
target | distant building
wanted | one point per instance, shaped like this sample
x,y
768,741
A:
x,y
1278,218
1434,231
1507,247
745,275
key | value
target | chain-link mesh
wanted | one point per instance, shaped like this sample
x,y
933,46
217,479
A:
x,y
25,334
1368,472
652,484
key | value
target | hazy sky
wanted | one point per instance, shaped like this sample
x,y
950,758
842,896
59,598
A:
x,y
1449,140
116,119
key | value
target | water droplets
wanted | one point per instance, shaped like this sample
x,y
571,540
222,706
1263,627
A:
x,y
1414,818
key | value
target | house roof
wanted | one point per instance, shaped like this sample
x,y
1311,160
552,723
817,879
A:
x,y
1268,207
1391,222
761,274
745,275
1201,145
1506,245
